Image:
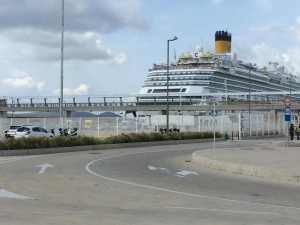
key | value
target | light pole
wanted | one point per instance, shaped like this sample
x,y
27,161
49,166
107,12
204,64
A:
x,y
62,66
290,122
249,98
12,112
167,112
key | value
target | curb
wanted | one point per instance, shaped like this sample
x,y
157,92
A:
x,y
278,144
42,151
256,171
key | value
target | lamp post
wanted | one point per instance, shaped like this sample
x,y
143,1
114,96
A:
x,y
249,98
290,122
62,66
12,111
167,112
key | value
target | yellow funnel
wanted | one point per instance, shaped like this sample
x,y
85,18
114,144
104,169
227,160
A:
x,y
222,42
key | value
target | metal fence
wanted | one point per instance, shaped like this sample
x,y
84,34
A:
x,y
237,124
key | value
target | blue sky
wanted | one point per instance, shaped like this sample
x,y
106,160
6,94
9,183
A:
x,y
111,44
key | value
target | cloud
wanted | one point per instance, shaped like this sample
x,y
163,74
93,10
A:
x,y
20,79
80,90
271,29
216,2
80,15
295,29
37,35
45,46
292,61
286,54
262,54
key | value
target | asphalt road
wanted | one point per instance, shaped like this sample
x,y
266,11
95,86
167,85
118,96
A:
x,y
152,185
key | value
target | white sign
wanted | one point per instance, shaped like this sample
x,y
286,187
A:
x,y
287,101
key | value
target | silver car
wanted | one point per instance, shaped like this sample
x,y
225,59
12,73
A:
x,y
32,131
11,132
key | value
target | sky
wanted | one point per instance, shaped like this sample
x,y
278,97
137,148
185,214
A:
x,y
109,45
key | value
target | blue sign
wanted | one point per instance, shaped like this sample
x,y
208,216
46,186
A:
x,y
214,112
287,114
298,112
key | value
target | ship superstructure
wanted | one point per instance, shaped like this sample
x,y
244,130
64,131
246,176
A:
x,y
205,73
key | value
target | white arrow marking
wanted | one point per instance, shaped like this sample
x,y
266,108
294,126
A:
x,y
183,173
44,167
152,168
7,194
157,168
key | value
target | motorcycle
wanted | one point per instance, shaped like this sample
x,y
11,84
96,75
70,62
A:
x,y
68,132
52,132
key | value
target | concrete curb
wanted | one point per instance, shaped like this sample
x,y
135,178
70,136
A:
x,y
278,144
99,147
257,171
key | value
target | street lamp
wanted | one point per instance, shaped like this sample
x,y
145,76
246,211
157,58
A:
x,y
167,112
249,99
62,66
12,111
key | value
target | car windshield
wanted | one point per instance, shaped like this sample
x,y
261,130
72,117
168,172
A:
x,y
22,129
13,127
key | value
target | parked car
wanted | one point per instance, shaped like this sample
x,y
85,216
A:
x,y
11,132
32,131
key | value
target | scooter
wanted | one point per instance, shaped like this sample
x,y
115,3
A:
x,y
52,131
68,132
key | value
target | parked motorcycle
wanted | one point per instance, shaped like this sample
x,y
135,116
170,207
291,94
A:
x,y
52,131
68,132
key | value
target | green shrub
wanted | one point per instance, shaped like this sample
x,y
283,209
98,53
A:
x,y
62,141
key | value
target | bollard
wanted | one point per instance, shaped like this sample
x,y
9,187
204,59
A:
x,y
225,136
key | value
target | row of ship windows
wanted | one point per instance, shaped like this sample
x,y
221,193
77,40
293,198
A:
x,y
221,82
230,81
262,77
176,78
183,73
165,90
237,87
176,84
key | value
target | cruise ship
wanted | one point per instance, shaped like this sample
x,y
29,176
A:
x,y
198,76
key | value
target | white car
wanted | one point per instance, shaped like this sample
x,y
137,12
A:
x,y
11,132
32,131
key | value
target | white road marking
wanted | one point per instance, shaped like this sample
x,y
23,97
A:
x,y
221,210
181,173
157,168
7,194
184,173
44,167
87,168
8,160
5,160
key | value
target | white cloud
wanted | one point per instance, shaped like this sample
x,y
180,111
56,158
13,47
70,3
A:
x,y
80,90
284,53
20,79
262,54
45,46
216,2
295,29
292,60
80,15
